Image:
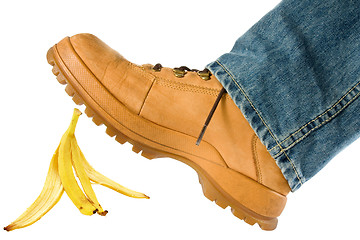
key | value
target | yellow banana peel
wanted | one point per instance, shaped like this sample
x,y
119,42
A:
x,y
67,158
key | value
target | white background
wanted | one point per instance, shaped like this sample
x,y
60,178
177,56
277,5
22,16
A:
x,y
35,111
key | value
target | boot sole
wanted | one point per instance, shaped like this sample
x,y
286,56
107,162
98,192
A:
x,y
249,200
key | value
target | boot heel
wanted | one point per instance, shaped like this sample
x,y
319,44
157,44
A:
x,y
248,199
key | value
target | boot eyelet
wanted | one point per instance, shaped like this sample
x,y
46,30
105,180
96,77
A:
x,y
157,67
205,75
179,72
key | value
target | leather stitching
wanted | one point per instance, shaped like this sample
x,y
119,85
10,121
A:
x,y
141,71
176,85
189,88
256,158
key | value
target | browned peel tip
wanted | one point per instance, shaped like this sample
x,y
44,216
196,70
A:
x,y
78,111
7,228
103,213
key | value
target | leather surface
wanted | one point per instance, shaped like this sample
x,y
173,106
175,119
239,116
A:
x,y
182,104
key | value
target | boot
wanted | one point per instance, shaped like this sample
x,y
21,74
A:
x,y
161,112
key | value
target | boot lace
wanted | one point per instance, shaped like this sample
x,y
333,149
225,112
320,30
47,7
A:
x,y
205,75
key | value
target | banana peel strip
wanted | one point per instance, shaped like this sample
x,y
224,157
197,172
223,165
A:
x,y
60,178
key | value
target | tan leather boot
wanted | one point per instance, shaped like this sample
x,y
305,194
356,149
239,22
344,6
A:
x,y
161,112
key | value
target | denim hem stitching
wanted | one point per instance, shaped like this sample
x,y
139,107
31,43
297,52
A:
x,y
263,121
319,116
325,120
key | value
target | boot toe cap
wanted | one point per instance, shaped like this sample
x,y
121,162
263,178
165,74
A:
x,y
94,53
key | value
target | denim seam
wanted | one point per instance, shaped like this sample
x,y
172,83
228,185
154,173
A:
x,y
317,117
263,121
325,121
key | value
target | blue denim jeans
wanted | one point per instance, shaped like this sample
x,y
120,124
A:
x,y
295,75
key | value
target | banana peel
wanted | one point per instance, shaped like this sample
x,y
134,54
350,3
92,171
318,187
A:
x,y
67,158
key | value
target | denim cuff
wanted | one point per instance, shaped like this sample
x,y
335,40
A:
x,y
312,151
239,95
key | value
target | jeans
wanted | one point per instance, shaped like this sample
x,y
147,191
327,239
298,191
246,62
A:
x,y
295,75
